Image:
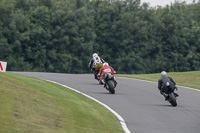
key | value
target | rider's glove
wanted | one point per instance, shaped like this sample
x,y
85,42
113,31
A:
x,y
114,72
98,75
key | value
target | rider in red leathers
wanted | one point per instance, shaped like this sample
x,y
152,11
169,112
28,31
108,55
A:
x,y
104,70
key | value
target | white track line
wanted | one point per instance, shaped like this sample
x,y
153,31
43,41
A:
x,y
121,120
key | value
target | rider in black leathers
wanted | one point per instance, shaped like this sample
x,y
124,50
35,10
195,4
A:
x,y
162,84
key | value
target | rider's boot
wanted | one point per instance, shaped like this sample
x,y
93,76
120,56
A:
x,y
115,81
100,82
165,95
103,82
175,94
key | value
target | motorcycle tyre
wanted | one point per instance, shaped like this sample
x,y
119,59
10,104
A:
x,y
111,87
172,99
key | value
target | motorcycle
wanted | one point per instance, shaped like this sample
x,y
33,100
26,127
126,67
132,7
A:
x,y
96,70
110,83
170,95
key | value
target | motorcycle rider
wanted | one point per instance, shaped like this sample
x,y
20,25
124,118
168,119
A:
x,y
162,84
94,64
104,70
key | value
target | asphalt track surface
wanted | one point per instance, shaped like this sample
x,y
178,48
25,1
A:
x,y
138,102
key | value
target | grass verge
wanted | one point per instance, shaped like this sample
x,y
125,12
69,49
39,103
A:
x,y
31,105
188,79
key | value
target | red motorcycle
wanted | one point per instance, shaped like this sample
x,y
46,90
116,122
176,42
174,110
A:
x,y
110,82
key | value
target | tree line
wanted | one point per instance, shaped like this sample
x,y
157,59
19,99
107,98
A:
x,y
61,36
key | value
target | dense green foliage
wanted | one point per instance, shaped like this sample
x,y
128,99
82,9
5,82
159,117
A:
x,y
60,36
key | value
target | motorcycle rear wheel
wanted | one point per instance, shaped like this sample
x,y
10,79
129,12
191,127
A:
x,y
111,87
172,99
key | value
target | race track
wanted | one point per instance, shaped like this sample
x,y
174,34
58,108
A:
x,y
138,102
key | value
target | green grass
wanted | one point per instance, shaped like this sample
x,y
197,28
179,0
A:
x,y
31,105
188,79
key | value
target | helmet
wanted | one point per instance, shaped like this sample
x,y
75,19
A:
x,y
105,64
95,55
163,73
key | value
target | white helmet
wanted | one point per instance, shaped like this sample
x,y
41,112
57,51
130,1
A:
x,y
105,64
163,73
95,55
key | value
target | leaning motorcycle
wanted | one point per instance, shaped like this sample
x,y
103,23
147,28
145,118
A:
x,y
96,69
110,82
171,96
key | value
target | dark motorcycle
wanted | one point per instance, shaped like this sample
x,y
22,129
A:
x,y
110,82
170,94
